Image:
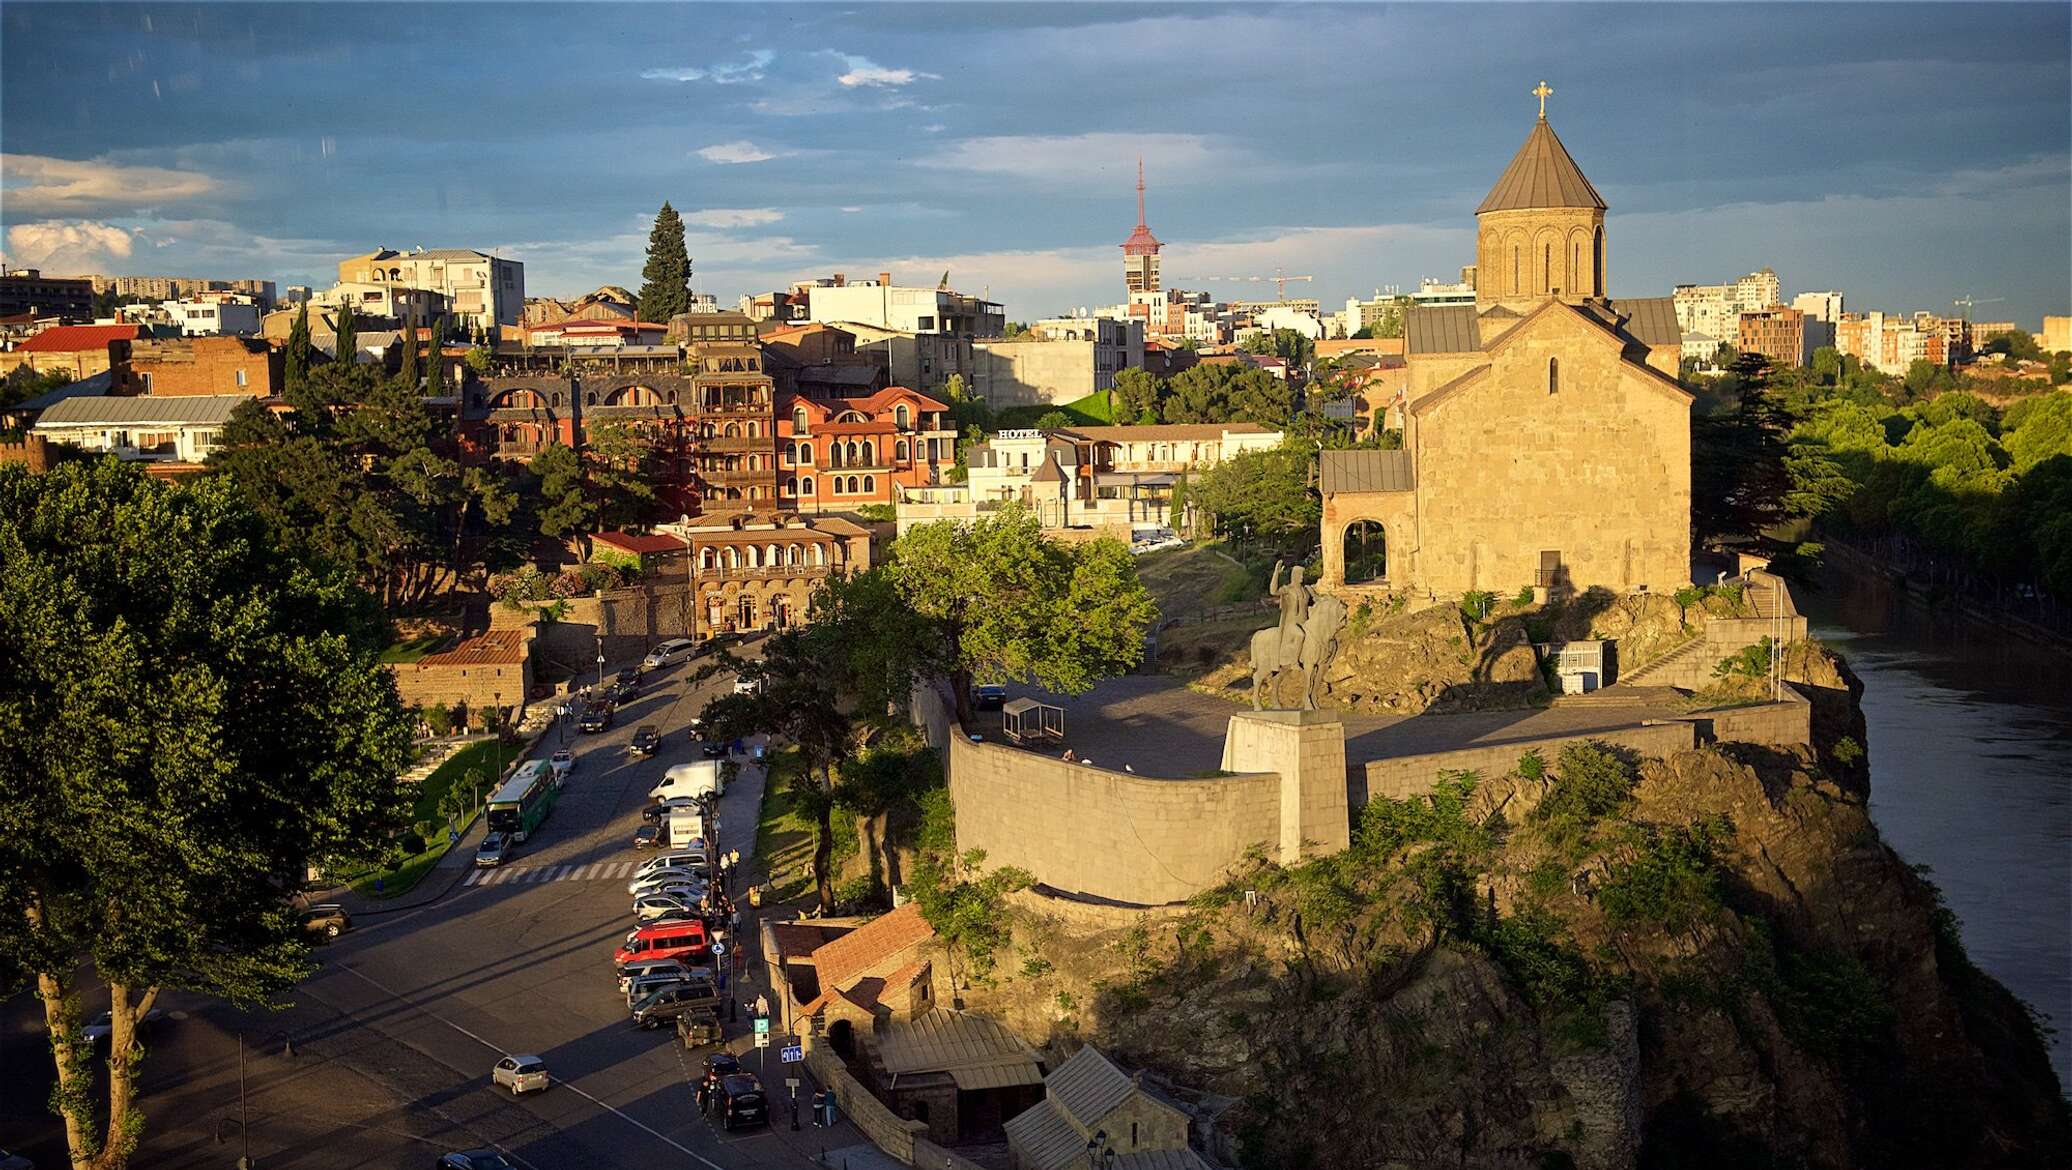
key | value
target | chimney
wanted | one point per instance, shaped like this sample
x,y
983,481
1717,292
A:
x,y
885,280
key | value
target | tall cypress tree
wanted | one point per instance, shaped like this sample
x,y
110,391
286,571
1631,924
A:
x,y
406,371
348,349
665,288
295,364
434,365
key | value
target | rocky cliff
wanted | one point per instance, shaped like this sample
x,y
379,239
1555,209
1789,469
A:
x,y
1708,960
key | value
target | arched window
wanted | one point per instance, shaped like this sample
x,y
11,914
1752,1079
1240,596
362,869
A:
x,y
791,485
1517,285
1597,263
899,416
806,486
1546,268
705,558
1366,549
819,555
747,611
901,450
1553,375
849,452
870,483
730,558
791,554
1575,268
798,420
852,485
869,457
805,452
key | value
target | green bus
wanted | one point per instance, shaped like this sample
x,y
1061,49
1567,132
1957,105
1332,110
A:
x,y
518,807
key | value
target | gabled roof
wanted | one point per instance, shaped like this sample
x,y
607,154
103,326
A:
x,y
172,410
1365,471
1441,329
489,648
73,338
849,956
1088,1086
1650,321
977,1051
1541,175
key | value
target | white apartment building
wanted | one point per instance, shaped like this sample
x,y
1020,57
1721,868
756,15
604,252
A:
x,y
904,308
1819,306
173,429
1283,317
484,292
369,299
1715,309
214,314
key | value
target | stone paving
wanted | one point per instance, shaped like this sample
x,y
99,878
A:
x,y
1157,726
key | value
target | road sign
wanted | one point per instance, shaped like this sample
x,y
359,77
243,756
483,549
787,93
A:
x,y
793,1053
792,1083
762,1039
762,1025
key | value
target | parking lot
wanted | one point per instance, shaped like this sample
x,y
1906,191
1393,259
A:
x,y
384,1056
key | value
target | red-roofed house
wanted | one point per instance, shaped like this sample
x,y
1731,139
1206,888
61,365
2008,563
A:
x,y
837,454
634,551
81,350
491,669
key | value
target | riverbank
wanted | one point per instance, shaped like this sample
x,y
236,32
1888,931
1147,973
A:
x,y
1937,600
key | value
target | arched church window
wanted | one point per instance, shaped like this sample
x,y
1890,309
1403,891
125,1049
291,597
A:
x,y
1553,375
1517,286
1597,263
1547,268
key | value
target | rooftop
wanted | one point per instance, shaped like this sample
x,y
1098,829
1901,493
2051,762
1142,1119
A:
x,y
73,338
490,648
1541,175
175,410
1365,471
640,543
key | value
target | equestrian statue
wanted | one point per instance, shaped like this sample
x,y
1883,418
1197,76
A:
x,y
1302,641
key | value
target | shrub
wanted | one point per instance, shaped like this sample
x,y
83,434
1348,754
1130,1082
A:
x,y
1673,882
1532,765
439,717
1590,783
1847,750
1475,604
1524,596
863,890
1747,662
1689,596
881,513
567,583
411,843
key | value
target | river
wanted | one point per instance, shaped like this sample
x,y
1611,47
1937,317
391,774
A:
x,y
1971,775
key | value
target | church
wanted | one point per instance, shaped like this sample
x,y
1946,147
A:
x,y
1546,439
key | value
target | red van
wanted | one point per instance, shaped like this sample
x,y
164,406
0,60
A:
x,y
669,940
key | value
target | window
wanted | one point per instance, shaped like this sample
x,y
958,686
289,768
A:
x,y
870,483
1516,286
240,378
899,416
1553,375
806,486
805,452
924,324
798,420
901,450
1547,268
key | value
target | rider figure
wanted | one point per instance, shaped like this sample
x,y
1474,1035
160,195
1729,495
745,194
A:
x,y
1294,599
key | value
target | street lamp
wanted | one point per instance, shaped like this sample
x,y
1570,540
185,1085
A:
x,y
496,730
600,662
1099,1155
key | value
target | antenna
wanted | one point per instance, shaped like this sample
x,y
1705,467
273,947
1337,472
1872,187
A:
x,y
1140,191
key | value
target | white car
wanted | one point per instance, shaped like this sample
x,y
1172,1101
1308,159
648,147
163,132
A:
x,y
659,877
656,905
668,653
674,860
521,1074
104,1026
563,762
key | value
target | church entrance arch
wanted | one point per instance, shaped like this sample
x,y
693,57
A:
x,y
1366,550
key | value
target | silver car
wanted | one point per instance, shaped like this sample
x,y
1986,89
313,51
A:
x,y
647,985
659,877
521,1074
656,905
641,968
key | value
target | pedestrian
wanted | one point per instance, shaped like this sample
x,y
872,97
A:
x,y
819,1106
762,1007
722,983
734,918
704,1093
733,857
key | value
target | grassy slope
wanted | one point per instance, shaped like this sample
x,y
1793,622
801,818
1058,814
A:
x,y
432,789
1187,580
1092,410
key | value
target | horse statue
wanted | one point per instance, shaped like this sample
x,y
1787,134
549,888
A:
x,y
1304,639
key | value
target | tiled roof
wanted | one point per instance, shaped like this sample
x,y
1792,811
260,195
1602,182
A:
x,y
490,648
797,941
1441,329
957,1043
1541,175
73,338
843,959
1088,1086
1366,471
173,410
640,543
840,374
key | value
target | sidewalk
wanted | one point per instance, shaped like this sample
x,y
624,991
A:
x,y
739,813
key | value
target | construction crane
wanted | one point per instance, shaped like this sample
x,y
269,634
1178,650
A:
x,y
1967,303
1279,280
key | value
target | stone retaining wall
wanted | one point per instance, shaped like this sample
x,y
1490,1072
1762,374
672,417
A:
x,y
1402,777
889,1132
929,1156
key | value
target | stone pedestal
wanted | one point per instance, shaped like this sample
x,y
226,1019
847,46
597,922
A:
x,y
1307,750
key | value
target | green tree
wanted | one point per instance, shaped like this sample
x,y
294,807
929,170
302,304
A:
x,y
665,283
1200,394
1008,603
194,716
406,363
566,509
1287,344
1257,396
1739,483
478,361
1827,365
295,359
347,351
1267,492
1053,420
622,470
1137,393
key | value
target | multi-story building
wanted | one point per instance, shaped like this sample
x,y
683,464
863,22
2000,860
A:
x,y
735,457
753,571
215,314
1140,252
1433,291
1777,333
1890,344
483,291
1067,359
837,454
1984,331
1715,309
179,430
1819,306
2057,334
78,350
381,301
186,366
590,333
908,309
27,290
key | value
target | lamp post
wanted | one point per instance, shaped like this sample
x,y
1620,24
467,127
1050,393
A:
x,y
1099,1155
496,731
600,663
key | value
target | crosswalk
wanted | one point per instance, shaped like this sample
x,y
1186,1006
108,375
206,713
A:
x,y
505,875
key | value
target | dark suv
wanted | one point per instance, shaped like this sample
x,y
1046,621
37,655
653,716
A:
x,y
647,741
670,1002
597,718
740,1102
328,919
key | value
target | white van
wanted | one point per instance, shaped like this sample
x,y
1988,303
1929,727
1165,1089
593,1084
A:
x,y
669,653
693,779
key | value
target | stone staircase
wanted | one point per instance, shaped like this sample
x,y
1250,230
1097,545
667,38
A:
x,y
1662,666
1763,597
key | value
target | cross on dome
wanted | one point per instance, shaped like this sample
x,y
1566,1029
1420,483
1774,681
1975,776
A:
x,y
1541,91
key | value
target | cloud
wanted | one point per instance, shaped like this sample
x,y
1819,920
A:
x,y
37,184
68,246
742,151
734,217
749,68
934,128
863,71
1080,160
851,210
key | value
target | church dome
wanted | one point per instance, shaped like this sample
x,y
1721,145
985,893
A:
x,y
1541,176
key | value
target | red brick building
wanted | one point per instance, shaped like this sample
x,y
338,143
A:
x,y
836,454
1777,333
202,365
80,350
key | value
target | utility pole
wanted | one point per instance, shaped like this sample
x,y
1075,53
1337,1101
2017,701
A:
x,y
244,1131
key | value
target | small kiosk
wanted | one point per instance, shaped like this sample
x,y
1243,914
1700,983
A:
x,y
1029,723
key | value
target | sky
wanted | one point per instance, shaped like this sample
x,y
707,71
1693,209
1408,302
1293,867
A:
x,y
1906,154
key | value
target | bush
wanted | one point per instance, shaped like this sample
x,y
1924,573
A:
x,y
1847,750
881,513
410,844
862,891
1532,765
439,717
1524,596
1673,883
1689,596
1747,662
1590,783
1475,604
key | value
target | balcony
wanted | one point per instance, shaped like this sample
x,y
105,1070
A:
x,y
767,573
738,477
737,443
740,409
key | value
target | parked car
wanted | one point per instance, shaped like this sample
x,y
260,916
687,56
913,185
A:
x,y
494,850
640,968
625,692
629,675
563,762
675,940
714,750
656,812
639,989
476,1160
647,836
104,1025
646,741
697,1029
669,653
690,859
328,919
988,697
597,717
521,1074
664,1005
721,1064
741,1102
654,879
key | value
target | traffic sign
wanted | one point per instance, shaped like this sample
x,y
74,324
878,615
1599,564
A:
x,y
792,1083
762,1039
762,1025
793,1053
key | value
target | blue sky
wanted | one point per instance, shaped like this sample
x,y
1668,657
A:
x,y
1906,154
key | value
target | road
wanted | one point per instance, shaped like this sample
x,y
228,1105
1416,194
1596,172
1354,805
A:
x,y
393,1038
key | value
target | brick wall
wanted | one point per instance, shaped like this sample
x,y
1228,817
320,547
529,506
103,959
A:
x,y
1106,834
203,365
1402,777
477,686
893,1134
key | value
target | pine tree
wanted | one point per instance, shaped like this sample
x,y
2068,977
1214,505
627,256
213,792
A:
x,y
434,368
406,370
665,288
348,350
295,366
